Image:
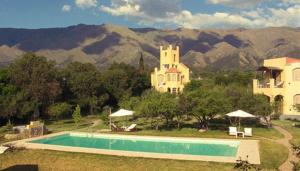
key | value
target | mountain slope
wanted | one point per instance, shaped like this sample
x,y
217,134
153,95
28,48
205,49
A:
x,y
106,44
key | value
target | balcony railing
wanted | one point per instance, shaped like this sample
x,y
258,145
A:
x,y
268,84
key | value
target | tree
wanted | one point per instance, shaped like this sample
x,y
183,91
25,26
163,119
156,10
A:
x,y
193,85
141,69
77,115
262,108
130,103
140,83
12,99
37,76
57,110
158,106
86,84
183,108
241,78
117,81
207,104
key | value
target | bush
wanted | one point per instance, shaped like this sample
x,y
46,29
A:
x,y
77,115
104,116
58,110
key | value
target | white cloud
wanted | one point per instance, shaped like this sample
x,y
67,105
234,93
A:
x,y
291,1
145,12
83,4
66,8
236,3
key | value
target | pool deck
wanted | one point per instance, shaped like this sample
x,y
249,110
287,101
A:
x,y
246,148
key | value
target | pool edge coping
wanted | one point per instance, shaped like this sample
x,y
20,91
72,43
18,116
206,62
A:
x,y
244,149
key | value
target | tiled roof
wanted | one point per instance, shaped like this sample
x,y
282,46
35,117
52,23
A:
x,y
292,60
173,70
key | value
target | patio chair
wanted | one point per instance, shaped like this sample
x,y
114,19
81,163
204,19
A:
x,y
131,128
233,131
116,128
3,149
248,132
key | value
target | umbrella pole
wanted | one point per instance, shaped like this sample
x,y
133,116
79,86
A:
x,y
239,124
110,118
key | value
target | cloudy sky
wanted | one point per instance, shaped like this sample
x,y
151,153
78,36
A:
x,y
151,13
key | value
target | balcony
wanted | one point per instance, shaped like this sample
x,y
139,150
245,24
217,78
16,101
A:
x,y
270,87
268,84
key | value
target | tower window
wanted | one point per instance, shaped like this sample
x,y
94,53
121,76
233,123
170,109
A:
x,y
296,74
166,53
174,57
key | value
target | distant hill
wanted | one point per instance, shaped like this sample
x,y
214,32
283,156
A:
x,y
106,44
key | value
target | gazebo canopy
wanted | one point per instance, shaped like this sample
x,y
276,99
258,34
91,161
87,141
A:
x,y
122,112
240,114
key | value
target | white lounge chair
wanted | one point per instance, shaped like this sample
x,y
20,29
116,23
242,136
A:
x,y
3,149
248,132
131,128
233,131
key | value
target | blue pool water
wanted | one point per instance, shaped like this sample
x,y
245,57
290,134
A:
x,y
141,144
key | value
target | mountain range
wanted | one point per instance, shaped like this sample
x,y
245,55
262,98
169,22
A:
x,y
105,44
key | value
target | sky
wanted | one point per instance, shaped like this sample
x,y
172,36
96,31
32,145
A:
x,y
151,13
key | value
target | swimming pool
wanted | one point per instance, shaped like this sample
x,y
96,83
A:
x,y
160,145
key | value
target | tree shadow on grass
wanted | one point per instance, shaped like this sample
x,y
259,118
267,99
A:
x,y
26,167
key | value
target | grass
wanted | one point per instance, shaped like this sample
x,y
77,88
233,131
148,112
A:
x,y
272,154
288,125
52,160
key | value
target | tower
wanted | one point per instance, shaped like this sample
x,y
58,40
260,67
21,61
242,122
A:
x,y
171,76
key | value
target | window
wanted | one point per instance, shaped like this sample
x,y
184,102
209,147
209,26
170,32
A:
x,y
166,53
160,79
297,99
174,57
296,74
166,66
173,77
174,90
168,77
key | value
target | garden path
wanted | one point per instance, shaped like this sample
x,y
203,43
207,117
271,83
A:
x,y
287,165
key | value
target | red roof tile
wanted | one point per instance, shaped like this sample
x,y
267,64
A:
x,y
173,70
292,60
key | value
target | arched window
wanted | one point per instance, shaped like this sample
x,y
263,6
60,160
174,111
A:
x,y
296,74
297,99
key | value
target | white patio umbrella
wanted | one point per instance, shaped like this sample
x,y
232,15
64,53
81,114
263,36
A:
x,y
120,113
240,114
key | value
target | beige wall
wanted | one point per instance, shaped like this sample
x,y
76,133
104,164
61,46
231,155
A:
x,y
289,89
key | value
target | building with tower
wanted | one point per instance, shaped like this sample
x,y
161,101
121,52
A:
x,y
171,76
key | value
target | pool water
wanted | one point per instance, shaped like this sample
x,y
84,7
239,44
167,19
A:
x,y
141,144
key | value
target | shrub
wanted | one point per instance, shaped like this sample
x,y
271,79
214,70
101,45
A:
x,y
77,115
58,110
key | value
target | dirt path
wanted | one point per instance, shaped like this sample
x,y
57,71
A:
x,y
287,165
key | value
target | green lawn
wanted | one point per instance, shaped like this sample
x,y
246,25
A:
x,y
288,125
272,154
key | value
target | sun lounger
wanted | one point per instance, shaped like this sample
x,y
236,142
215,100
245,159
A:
x,y
131,128
233,131
248,132
3,149
116,128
